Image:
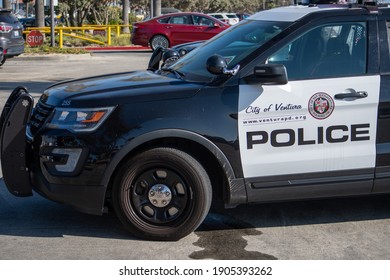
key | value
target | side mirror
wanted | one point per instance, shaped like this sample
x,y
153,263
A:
x,y
216,25
217,65
269,74
169,57
154,61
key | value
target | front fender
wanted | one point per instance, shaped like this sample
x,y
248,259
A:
x,y
236,191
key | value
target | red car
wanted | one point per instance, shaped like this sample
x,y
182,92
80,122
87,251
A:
x,y
177,28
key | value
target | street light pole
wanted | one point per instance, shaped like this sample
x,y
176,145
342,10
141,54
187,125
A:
x,y
52,24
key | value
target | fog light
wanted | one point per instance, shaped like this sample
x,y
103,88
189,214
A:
x,y
73,156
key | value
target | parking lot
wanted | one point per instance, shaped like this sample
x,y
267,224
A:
x,y
35,228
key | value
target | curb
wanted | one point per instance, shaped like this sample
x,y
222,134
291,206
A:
x,y
117,49
92,50
32,57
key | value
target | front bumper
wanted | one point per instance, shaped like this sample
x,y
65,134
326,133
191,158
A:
x,y
25,170
13,121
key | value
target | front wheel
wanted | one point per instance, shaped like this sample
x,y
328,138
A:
x,y
159,41
162,194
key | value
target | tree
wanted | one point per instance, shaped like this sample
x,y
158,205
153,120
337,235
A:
x,y
7,4
39,13
156,7
27,2
76,12
125,15
102,13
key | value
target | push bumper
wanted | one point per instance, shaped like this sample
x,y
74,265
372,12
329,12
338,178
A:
x,y
13,121
22,174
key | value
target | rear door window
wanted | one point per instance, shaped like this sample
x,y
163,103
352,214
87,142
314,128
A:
x,y
8,18
180,20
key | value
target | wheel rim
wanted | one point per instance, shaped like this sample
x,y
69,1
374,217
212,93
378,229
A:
x,y
159,41
159,196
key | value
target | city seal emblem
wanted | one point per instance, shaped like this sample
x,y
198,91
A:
x,y
321,105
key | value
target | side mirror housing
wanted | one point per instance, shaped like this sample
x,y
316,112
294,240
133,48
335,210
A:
x,y
216,64
154,61
268,74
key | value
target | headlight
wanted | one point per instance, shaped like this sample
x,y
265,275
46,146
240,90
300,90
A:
x,y
79,119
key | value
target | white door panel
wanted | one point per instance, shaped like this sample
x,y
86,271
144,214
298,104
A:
x,y
300,127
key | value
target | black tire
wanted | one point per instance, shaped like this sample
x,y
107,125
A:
x,y
162,194
159,41
3,61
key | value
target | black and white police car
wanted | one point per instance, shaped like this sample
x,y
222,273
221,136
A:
x,y
292,103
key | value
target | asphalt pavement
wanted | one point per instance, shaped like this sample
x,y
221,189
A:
x,y
35,228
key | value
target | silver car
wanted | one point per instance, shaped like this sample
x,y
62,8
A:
x,y
11,36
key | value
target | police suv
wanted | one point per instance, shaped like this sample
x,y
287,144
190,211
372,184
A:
x,y
292,103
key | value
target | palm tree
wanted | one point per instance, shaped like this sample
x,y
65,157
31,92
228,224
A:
x,y
157,7
125,15
40,13
7,4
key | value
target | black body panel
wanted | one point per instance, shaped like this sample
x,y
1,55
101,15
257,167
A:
x,y
311,185
163,109
382,172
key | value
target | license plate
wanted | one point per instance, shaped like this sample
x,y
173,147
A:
x,y
16,33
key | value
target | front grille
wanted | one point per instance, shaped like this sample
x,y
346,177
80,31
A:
x,y
39,116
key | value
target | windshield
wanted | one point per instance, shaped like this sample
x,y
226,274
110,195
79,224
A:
x,y
234,44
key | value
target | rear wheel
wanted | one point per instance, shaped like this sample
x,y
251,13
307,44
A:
x,y
2,61
159,41
162,194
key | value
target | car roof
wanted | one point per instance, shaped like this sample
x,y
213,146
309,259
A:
x,y
180,14
292,13
184,13
222,13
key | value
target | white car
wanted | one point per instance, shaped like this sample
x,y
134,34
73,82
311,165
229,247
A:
x,y
229,18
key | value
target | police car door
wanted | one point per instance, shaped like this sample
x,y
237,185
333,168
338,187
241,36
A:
x,y
320,127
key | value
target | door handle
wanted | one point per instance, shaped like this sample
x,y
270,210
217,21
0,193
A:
x,y
352,95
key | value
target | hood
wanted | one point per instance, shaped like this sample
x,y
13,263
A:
x,y
119,88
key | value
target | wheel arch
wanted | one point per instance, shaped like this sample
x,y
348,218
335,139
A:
x,y
231,189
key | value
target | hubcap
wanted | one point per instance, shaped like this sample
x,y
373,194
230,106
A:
x,y
159,42
160,195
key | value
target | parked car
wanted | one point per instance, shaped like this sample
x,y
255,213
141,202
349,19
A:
x,y
11,36
30,22
242,16
165,57
228,18
176,28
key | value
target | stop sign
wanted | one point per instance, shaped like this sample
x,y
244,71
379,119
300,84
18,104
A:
x,y
34,38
